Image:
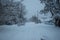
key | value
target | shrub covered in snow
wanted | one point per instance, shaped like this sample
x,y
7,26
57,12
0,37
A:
x,y
35,19
56,20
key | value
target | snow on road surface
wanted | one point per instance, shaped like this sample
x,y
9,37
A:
x,y
29,31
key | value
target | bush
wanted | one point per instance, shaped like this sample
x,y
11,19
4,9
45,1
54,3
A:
x,y
35,19
56,20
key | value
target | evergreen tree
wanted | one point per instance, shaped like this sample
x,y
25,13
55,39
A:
x,y
54,7
12,12
35,19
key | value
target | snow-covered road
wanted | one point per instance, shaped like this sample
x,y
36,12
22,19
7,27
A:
x,y
30,31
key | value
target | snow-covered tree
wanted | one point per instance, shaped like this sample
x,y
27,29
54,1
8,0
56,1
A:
x,y
12,12
54,7
35,19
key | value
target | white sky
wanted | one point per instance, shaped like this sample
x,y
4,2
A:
x,y
32,7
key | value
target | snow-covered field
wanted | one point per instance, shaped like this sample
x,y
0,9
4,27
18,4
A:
x,y
29,31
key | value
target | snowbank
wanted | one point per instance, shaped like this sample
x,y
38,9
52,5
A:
x,y
30,31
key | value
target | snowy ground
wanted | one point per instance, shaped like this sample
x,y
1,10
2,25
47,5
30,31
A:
x,y
29,31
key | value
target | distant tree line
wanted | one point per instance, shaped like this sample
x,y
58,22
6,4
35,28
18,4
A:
x,y
35,19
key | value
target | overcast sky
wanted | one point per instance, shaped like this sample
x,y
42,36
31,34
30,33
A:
x,y
32,7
